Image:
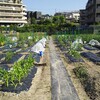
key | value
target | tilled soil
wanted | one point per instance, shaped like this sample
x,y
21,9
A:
x,y
93,82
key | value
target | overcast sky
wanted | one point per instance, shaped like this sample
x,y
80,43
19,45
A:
x,y
52,6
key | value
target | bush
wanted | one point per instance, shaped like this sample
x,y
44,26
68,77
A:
x,y
2,39
81,73
9,56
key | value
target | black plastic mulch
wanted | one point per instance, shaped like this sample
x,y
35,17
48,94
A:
x,y
98,54
14,59
91,56
2,55
26,83
97,46
90,47
5,67
73,59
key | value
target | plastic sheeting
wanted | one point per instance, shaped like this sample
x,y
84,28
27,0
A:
x,y
39,46
14,39
94,43
30,38
76,43
43,42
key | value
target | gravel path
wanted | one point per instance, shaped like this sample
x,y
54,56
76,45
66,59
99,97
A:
x,y
62,86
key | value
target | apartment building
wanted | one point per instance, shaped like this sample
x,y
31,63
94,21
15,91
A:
x,y
37,14
12,12
83,16
33,14
93,11
73,16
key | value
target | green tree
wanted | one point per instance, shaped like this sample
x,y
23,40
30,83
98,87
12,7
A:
x,y
62,19
55,20
33,21
47,21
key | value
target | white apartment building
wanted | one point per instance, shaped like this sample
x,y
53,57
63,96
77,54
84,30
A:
x,y
12,12
73,15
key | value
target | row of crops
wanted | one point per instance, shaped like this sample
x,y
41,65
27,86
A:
x,y
16,59
76,45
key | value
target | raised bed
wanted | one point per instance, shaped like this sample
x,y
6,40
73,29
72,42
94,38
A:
x,y
97,46
98,54
91,56
10,49
5,67
90,47
25,83
2,56
4,48
62,48
25,70
73,59
13,59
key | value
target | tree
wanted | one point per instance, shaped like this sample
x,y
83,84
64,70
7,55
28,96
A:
x,y
47,21
33,21
62,19
55,20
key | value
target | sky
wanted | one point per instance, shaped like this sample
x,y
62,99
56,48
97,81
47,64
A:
x,y
52,6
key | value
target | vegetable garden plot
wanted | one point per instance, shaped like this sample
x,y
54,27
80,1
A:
x,y
11,60
73,59
90,47
3,48
5,67
91,56
19,77
98,54
11,49
24,85
97,46
28,49
2,56
62,48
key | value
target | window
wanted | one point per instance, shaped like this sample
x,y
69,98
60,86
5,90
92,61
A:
x,y
98,5
98,15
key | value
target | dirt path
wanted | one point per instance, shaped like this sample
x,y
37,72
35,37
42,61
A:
x,y
62,86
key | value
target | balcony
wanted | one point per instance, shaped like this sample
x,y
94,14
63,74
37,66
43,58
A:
x,y
97,1
97,19
11,14
24,9
90,4
12,20
98,10
15,4
24,13
24,18
10,8
90,20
